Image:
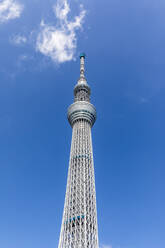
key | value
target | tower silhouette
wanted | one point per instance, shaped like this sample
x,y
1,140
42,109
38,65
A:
x,y
79,224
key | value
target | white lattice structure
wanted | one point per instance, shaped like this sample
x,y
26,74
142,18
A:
x,y
79,224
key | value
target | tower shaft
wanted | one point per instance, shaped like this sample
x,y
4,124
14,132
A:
x,y
79,224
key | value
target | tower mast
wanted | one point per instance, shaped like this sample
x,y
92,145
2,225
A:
x,y
79,224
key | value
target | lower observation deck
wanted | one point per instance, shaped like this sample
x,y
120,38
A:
x,y
81,110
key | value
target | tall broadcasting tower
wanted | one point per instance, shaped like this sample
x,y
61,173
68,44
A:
x,y
79,224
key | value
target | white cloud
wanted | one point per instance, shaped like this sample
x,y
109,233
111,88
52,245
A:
x,y
10,9
59,42
18,39
106,246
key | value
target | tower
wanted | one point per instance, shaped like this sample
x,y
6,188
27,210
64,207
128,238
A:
x,y
79,223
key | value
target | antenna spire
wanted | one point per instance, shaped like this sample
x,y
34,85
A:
x,y
82,89
82,67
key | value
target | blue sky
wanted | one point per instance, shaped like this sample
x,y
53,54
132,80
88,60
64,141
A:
x,y
40,42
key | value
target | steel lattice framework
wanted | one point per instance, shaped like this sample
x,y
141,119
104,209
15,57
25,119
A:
x,y
79,224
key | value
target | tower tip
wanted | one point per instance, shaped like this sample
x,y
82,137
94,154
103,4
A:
x,y
82,55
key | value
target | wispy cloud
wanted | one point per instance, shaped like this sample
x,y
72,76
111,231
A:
x,y
10,9
144,100
59,42
18,39
106,246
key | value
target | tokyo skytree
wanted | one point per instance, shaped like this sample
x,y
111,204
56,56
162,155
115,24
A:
x,y
79,224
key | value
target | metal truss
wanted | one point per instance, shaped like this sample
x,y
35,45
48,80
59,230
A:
x,y
79,223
